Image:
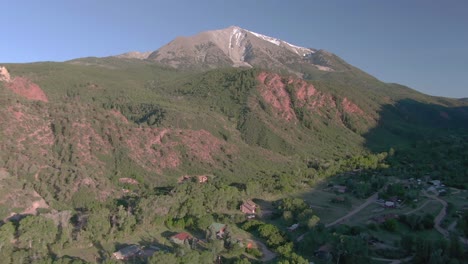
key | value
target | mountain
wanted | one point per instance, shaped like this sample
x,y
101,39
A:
x,y
230,103
237,47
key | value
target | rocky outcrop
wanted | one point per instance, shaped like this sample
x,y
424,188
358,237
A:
x,y
135,55
287,94
24,87
4,75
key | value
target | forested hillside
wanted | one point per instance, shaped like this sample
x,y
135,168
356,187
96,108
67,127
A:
x,y
99,153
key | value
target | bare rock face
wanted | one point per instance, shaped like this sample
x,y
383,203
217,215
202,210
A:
x,y
22,86
4,75
135,55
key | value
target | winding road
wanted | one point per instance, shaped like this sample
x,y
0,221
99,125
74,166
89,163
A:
x,y
443,212
441,216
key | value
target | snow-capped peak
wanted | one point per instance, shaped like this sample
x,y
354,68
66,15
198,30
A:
x,y
275,41
297,49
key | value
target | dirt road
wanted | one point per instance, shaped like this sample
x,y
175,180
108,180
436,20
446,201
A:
x,y
267,254
419,208
356,210
440,216
394,261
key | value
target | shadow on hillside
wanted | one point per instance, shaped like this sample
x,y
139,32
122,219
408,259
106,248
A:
x,y
408,121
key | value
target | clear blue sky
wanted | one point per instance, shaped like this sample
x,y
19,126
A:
x,y
419,43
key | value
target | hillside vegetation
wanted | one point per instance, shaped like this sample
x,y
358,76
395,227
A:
x,y
106,154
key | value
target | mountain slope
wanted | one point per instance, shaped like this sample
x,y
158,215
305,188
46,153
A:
x,y
87,126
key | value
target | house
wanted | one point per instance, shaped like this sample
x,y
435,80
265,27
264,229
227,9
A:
x,y
180,238
382,218
248,207
389,204
338,199
324,252
340,188
218,229
148,251
127,252
183,179
128,181
202,178
436,183
199,178
250,244
293,227
442,192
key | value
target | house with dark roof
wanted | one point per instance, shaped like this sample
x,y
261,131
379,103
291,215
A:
x,y
324,252
248,207
180,238
382,218
127,252
340,188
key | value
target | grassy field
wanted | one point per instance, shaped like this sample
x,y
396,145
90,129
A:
x,y
321,202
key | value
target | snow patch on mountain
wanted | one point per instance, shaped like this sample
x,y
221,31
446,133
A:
x,y
278,42
324,68
236,47
238,35
300,50
275,41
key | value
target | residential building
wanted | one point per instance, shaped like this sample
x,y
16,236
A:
x,y
127,252
248,207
